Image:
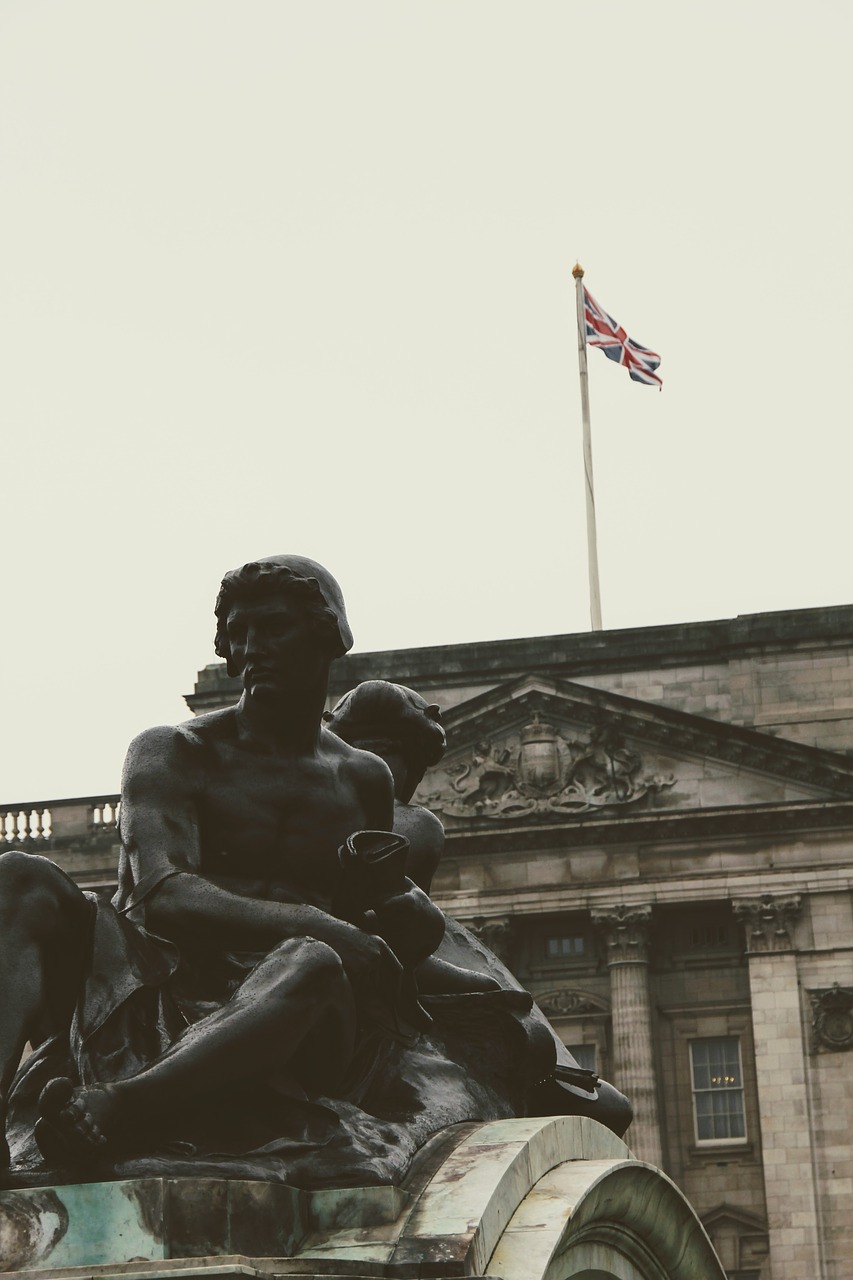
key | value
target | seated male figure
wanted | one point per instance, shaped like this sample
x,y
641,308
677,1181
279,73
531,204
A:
x,y
230,826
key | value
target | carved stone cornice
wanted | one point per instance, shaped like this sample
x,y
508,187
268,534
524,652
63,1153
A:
x,y
567,1003
832,1018
767,920
626,932
495,932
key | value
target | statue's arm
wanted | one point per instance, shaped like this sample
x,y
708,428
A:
x,y
426,841
158,824
375,787
408,920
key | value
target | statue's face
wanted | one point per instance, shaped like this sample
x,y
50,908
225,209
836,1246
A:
x,y
273,645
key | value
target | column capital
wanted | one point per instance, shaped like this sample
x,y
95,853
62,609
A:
x,y
495,932
626,931
767,920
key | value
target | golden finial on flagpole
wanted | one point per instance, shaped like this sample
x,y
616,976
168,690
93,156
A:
x,y
577,271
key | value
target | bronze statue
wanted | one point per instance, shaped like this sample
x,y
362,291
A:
x,y
397,724
253,999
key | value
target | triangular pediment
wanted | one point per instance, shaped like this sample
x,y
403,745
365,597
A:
x,y
538,748
732,1217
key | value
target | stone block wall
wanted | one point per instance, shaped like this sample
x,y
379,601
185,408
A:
x,y
806,696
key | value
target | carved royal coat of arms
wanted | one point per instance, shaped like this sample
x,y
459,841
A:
x,y
544,773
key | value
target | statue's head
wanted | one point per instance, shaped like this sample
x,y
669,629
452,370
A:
x,y
395,723
296,579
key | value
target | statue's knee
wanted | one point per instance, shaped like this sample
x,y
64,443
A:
x,y
313,963
20,873
318,960
32,887
323,961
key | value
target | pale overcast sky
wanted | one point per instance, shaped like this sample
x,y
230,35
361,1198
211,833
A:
x,y
297,276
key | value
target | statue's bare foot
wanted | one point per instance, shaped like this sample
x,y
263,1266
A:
x,y
77,1126
440,977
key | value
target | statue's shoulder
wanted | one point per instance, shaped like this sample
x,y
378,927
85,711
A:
x,y
350,756
213,726
421,819
175,745
363,767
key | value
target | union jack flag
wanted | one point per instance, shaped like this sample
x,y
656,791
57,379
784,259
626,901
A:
x,y
603,331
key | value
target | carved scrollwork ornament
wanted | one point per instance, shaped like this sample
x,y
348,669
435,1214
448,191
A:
x,y
543,774
567,1003
832,1018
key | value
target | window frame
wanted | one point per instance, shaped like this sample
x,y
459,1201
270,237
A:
x,y
704,1143
574,954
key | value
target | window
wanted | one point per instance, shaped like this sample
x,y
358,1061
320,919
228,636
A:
x,y
583,1054
717,1089
560,948
708,937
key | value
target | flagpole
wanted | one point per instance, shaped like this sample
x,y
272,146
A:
x,y
591,540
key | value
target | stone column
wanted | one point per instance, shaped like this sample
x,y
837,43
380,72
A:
x,y
626,935
780,1067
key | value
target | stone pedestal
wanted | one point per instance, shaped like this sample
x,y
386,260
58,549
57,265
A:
x,y
544,1199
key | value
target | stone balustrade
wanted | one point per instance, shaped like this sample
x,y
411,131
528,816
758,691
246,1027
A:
x,y
47,824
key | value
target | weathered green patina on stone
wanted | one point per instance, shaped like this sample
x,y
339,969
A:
x,y
534,1199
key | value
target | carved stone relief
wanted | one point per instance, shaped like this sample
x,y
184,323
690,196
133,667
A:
x,y
767,920
565,1003
832,1018
544,773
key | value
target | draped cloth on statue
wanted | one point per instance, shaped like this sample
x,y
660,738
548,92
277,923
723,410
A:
x,y
140,995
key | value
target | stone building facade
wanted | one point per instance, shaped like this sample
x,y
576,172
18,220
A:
x,y
654,827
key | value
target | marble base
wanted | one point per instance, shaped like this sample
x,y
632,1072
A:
x,y
539,1199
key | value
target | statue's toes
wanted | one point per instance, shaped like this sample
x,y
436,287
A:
x,y
87,1129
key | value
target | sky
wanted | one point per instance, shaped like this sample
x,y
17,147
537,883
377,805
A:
x,y
281,276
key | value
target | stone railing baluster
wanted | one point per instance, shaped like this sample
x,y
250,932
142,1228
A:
x,y
37,824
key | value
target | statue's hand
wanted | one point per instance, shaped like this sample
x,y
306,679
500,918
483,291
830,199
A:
x,y
410,923
368,961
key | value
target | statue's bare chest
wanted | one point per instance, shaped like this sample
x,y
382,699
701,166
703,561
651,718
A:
x,y
276,817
